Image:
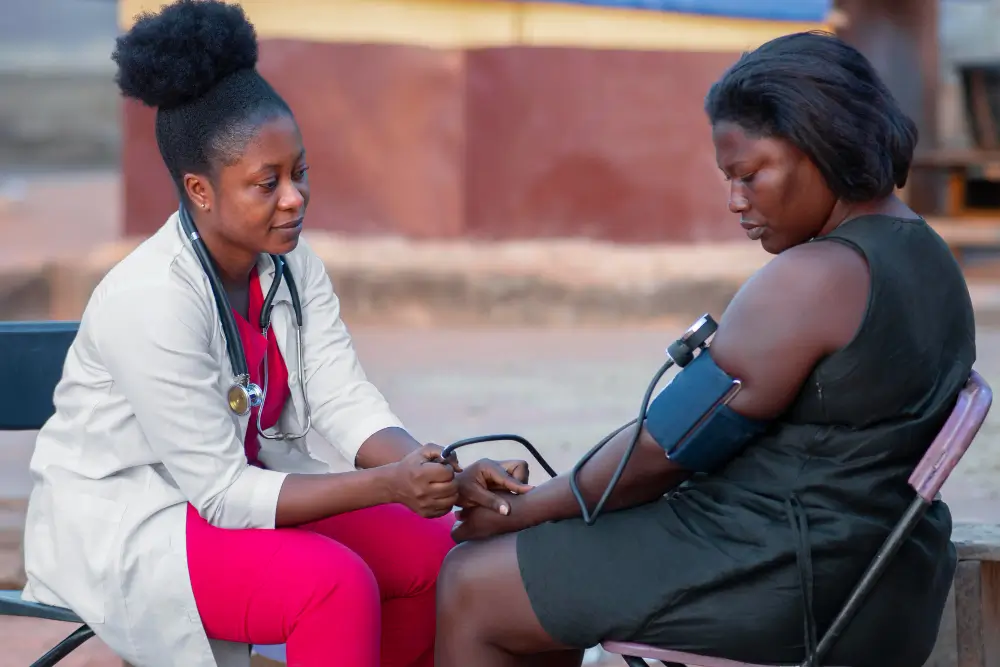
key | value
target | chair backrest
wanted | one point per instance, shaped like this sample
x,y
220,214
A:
x,y
32,355
953,440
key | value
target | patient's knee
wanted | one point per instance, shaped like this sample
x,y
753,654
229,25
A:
x,y
476,575
461,573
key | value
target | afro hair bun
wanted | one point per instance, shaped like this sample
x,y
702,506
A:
x,y
178,55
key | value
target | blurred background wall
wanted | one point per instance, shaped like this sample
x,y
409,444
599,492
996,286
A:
x,y
475,118
59,108
491,119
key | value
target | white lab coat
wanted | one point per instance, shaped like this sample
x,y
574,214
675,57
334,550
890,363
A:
x,y
142,427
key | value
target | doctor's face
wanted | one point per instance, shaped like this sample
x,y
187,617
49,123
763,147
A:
x,y
256,202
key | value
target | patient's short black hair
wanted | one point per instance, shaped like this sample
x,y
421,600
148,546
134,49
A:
x,y
195,62
823,96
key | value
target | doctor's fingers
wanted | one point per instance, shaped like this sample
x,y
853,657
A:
x,y
435,471
442,490
440,499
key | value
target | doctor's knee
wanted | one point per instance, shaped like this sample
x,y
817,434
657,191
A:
x,y
333,579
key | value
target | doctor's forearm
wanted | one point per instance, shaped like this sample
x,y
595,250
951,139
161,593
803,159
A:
x,y
309,497
384,447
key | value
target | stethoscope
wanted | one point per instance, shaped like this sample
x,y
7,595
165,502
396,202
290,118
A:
x,y
244,394
680,353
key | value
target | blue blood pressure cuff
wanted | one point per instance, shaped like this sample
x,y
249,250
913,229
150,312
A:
x,y
690,420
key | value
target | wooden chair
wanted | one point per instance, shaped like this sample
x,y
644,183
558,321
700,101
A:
x,y
927,479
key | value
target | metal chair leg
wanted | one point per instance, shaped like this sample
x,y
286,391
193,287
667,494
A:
x,y
65,647
634,662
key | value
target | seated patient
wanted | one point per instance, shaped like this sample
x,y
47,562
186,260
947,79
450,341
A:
x,y
167,521
852,344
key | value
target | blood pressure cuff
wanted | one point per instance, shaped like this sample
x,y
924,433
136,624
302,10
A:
x,y
690,422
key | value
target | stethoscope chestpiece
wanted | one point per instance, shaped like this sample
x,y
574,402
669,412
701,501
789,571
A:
x,y
243,395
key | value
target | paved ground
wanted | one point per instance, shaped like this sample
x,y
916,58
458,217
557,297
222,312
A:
x,y
562,389
51,216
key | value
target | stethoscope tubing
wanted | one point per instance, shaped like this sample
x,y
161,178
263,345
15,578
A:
x,y
234,344
450,449
680,353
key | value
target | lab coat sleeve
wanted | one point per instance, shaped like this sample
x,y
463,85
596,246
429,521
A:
x,y
155,341
347,408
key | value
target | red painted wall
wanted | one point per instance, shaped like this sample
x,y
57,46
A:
x,y
494,143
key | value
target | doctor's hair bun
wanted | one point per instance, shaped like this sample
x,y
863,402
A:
x,y
177,55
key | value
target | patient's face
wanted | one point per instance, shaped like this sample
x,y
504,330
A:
x,y
779,194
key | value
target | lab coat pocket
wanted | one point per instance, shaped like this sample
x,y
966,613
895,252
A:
x,y
86,538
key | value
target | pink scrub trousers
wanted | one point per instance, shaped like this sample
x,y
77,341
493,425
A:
x,y
356,590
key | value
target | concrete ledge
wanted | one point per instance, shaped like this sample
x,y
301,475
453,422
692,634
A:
x,y
59,118
396,281
529,283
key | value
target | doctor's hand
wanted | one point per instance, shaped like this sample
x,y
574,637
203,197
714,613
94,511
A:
x,y
489,484
424,483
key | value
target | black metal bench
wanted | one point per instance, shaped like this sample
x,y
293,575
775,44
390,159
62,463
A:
x,y
32,355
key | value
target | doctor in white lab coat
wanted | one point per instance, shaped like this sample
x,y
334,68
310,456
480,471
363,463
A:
x,y
142,428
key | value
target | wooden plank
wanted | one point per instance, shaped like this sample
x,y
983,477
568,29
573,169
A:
x,y
977,613
947,158
967,232
983,114
969,620
955,197
991,612
977,541
945,653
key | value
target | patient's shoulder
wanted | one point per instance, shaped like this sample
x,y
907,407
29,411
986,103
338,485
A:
x,y
815,291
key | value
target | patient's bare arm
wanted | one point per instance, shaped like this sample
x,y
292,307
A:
x,y
647,476
770,344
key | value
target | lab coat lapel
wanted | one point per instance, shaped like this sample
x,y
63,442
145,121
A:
x,y
228,368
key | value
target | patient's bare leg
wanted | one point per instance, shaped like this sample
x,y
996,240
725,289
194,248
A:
x,y
484,616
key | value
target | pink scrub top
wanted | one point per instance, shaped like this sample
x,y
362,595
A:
x,y
254,346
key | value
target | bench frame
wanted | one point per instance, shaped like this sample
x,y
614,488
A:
x,y
32,360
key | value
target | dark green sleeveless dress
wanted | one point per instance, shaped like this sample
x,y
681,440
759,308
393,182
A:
x,y
752,563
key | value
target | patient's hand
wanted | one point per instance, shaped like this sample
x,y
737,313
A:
x,y
489,484
480,523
